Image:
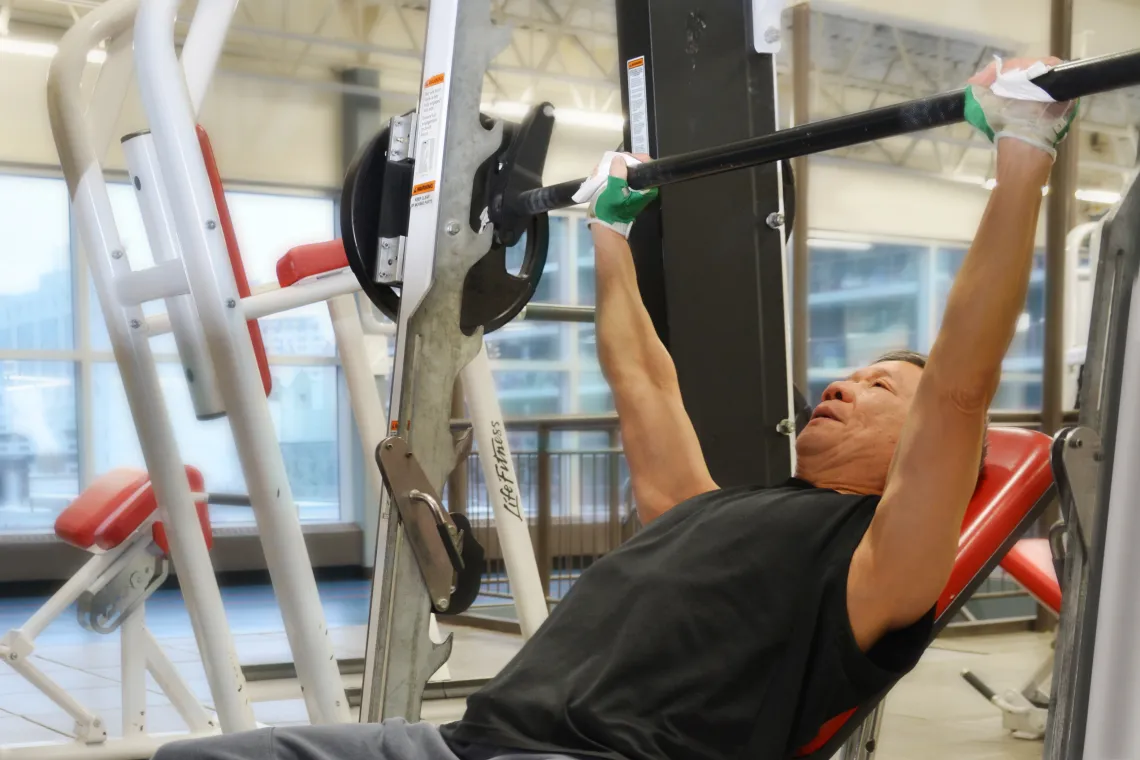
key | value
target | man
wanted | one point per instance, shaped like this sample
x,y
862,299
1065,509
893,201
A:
x,y
740,620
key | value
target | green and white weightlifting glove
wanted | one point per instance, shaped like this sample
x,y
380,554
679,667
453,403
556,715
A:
x,y
613,203
1002,101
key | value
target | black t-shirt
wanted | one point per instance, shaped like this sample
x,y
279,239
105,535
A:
x,y
720,631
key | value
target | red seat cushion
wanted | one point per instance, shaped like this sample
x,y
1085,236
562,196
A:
x,y
310,260
79,523
119,524
1030,563
1016,476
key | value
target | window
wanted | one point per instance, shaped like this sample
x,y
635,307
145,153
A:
x,y
39,460
35,291
267,226
303,405
867,298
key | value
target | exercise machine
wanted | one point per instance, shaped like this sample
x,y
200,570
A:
x,y
452,224
136,523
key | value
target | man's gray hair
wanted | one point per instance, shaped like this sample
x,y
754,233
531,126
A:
x,y
919,360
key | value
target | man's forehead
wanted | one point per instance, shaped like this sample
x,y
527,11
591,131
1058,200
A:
x,y
890,369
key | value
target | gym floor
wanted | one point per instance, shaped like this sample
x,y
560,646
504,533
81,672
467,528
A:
x,y
932,714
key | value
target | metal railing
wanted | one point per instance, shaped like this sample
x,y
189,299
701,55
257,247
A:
x,y
577,500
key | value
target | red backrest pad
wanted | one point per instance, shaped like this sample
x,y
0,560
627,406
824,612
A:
x,y
235,254
1030,563
310,260
1017,475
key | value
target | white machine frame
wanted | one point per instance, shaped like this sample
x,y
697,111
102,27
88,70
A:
x,y
208,317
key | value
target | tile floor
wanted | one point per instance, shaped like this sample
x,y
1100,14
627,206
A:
x,y
931,715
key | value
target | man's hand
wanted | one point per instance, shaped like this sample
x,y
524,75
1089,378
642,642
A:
x,y
1002,102
665,459
613,203
907,555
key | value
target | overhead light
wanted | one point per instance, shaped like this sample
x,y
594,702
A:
x,y
38,49
1107,197
509,109
839,245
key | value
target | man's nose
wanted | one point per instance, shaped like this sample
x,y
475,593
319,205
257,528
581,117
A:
x,y
840,390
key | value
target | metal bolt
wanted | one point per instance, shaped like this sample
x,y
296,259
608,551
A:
x,y
771,34
231,303
136,324
391,261
13,656
452,228
117,254
388,446
1076,443
548,110
211,224
442,604
775,220
385,245
786,427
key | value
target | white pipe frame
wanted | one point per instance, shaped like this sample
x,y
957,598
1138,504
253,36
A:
x,y
503,489
170,113
140,653
79,157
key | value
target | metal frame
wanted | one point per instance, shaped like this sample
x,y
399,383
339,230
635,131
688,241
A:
x,y
1096,673
140,654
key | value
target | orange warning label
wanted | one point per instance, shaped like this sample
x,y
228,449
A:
x,y
395,426
433,81
635,63
424,187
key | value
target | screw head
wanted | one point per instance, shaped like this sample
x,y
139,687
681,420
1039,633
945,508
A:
x,y
388,446
775,220
771,34
385,245
117,253
136,324
786,427
211,224
442,604
231,303
452,228
13,656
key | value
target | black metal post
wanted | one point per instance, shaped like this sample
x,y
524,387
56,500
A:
x,y
709,257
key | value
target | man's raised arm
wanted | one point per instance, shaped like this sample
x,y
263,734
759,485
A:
x,y
907,554
665,459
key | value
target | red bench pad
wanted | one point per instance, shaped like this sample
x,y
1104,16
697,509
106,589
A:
x,y
1017,475
1030,563
80,521
236,264
112,508
310,261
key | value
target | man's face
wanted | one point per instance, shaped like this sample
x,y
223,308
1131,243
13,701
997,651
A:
x,y
849,443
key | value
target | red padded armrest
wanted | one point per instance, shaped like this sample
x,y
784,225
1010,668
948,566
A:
x,y
1016,476
310,261
80,521
235,254
120,524
1030,563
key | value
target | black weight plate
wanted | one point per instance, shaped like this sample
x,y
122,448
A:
x,y
493,296
468,579
360,220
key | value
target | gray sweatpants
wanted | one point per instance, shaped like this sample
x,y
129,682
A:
x,y
394,739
